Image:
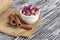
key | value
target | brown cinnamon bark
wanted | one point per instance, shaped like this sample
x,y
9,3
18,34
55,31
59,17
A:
x,y
18,23
12,19
27,27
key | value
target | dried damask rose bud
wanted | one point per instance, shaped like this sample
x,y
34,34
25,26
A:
x,y
33,11
24,13
36,9
30,6
30,11
28,14
25,7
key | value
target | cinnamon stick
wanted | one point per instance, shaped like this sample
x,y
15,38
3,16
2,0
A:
x,y
27,27
12,19
18,23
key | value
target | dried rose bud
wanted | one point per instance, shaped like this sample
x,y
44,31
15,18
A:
x,y
25,7
33,11
24,12
28,12
36,9
30,6
28,9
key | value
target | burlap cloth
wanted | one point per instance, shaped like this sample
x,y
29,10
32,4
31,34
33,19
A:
x,y
4,5
15,31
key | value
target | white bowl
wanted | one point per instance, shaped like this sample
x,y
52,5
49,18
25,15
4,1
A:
x,y
29,19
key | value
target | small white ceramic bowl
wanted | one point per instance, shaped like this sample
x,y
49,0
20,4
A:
x,y
29,19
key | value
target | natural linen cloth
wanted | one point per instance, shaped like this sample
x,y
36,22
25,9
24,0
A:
x,y
49,27
4,5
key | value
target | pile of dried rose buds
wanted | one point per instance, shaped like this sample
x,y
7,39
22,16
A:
x,y
30,10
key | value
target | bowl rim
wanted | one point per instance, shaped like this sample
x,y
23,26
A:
x,y
29,16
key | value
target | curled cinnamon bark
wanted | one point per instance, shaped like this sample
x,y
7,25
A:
x,y
18,23
12,19
27,27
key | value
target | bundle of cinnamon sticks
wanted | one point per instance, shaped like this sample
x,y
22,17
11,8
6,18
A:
x,y
15,20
